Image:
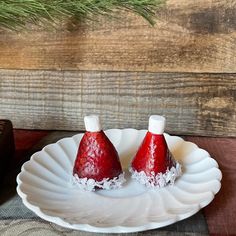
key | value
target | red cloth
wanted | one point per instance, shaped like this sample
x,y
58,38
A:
x,y
25,140
221,213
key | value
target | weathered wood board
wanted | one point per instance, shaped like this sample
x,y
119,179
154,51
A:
x,y
190,36
201,104
125,70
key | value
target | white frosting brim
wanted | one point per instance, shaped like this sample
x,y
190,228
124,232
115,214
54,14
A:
x,y
159,180
91,184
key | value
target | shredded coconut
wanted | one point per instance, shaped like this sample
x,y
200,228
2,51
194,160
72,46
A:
x,y
91,184
157,181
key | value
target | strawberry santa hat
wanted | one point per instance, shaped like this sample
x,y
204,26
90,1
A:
x,y
153,164
97,164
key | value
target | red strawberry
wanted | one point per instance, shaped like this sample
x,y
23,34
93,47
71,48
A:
x,y
153,164
153,155
97,158
97,164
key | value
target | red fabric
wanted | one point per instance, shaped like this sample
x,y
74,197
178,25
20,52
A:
x,y
26,139
221,213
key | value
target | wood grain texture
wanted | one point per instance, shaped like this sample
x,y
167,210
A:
x,y
190,36
203,104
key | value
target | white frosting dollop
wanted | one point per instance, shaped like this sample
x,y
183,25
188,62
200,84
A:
x,y
156,124
92,123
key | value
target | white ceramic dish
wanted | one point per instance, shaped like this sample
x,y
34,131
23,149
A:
x,y
44,186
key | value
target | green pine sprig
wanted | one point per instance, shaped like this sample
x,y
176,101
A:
x,y
18,13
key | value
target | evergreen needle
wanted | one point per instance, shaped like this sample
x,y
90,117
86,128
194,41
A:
x,y
17,13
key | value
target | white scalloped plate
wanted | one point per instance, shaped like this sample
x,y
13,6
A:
x,y
45,188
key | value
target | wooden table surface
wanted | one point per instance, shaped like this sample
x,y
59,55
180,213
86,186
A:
x,y
216,219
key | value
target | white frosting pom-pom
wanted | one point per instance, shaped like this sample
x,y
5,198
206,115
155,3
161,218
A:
x,y
91,184
157,181
156,124
92,123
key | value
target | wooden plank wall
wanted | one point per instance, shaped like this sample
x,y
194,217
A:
x,y
125,70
